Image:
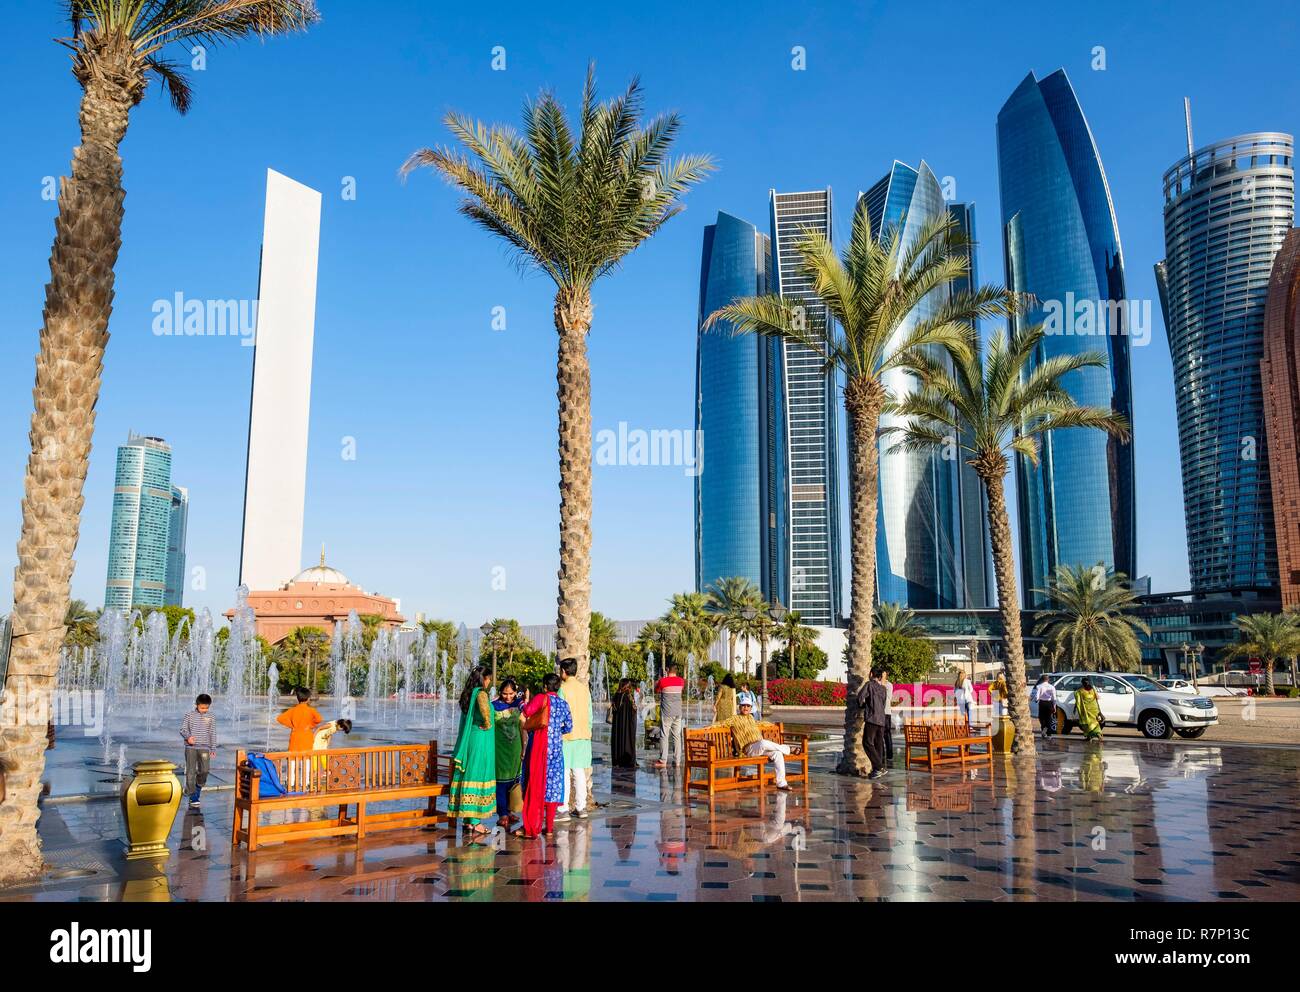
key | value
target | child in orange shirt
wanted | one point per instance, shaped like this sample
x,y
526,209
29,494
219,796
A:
x,y
301,721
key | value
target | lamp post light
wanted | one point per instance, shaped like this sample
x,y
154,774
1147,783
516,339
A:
x,y
776,614
1197,650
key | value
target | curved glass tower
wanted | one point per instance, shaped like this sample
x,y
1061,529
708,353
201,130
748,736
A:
x,y
1062,245
740,527
1228,208
923,555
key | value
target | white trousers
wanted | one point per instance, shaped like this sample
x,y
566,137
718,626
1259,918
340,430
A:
x,y
578,779
776,754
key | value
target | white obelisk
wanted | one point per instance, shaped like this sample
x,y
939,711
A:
x,y
275,487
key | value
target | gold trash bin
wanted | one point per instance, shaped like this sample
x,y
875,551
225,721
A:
x,y
149,804
1004,732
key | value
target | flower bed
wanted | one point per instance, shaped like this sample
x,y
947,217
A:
x,y
806,692
811,692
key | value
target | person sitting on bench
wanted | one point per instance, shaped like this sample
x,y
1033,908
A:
x,y
750,740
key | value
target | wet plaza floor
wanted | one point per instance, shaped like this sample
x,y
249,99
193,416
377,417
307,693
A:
x,y
1127,821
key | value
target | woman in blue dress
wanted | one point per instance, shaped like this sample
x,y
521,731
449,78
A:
x,y
548,718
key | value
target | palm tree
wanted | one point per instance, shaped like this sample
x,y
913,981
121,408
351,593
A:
x,y
795,636
990,405
690,628
728,602
117,46
308,646
504,637
81,624
1268,637
572,206
897,619
656,637
874,295
1092,624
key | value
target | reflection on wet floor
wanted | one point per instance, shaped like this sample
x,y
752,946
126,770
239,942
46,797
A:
x,y
1127,821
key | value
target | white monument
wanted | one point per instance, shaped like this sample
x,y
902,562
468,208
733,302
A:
x,y
275,486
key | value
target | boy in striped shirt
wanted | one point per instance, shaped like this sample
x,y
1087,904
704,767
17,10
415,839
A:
x,y
199,734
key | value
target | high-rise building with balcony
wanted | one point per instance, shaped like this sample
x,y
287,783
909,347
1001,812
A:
x,y
1062,248
931,534
740,506
1228,208
138,535
1280,373
811,418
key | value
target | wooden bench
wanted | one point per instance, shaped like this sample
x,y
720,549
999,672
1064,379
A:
x,y
713,749
947,743
342,777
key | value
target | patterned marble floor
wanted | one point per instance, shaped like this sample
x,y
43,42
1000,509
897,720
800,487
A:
x,y
1127,821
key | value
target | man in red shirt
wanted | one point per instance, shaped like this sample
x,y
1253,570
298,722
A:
x,y
670,689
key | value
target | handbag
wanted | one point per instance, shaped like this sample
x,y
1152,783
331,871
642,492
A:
x,y
538,720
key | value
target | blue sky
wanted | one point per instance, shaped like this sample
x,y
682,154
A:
x,y
455,470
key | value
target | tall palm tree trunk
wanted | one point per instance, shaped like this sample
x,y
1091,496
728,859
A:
x,y
78,301
573,625
993,474
731,650
863,399
1269,688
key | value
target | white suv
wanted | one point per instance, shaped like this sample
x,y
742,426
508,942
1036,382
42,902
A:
x,y
1136,701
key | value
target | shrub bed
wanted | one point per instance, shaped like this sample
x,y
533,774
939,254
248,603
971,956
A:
x,y
806,692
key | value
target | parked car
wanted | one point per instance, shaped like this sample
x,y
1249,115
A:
x,y
1179,685
1133,700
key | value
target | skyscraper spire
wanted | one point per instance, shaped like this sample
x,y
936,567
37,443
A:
x,y
1187,114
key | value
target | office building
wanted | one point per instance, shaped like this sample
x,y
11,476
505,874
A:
x,y
811,419
1062,248
1228,208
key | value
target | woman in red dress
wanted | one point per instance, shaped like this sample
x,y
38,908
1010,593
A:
x,y
535,713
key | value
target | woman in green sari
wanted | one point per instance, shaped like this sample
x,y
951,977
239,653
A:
x,y
473,794
1088,710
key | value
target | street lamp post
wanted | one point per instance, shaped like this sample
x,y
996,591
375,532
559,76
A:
x,y
1197,651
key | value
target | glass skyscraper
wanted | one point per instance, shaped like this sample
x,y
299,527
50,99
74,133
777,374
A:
x,y
1228,208
178,522
1062,246
740,511
811,415
931,543
141,525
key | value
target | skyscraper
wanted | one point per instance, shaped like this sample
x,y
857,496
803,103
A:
x,y
811,415
1280,373
178,524
1062,246
977,549
142,510
275,486
924,557
740,512
1228,208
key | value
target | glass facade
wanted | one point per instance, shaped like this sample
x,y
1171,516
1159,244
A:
x,y
925,558
177,524
740,523
811,416
1228,207
141,525
1062,246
